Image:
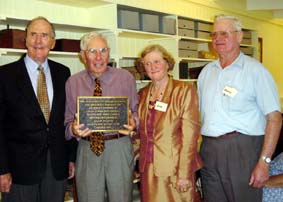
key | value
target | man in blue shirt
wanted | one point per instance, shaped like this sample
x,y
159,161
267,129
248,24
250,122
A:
x,y
241,120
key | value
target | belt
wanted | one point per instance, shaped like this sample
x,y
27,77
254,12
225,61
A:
x,y
226,135
107,137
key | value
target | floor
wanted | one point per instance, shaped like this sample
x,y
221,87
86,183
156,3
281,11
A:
x,y
136,194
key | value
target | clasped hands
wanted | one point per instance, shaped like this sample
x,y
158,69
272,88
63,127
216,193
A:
x,y
79,130
182,185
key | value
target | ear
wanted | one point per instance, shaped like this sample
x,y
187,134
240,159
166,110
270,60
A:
x,y
240,36
83,56
167,65
53,44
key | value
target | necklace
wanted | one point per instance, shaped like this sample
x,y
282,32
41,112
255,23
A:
x,y
152,101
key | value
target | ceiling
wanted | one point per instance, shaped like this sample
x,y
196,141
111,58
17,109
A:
x,y
276,6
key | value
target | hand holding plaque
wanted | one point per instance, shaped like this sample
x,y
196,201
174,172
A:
x,y
129,128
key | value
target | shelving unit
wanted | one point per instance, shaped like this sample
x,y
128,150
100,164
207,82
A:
x,y
194,46
128,30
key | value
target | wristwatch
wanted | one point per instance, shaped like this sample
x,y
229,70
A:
x,y
266,159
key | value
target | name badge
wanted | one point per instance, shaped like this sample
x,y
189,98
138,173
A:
x,y
229,91
161,106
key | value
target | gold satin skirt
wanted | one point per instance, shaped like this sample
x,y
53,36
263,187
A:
x,y
161,189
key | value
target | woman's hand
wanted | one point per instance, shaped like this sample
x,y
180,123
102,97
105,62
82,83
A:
x,y
182,185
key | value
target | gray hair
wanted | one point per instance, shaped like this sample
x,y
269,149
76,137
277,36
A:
x,y
86,38
44,19
237,23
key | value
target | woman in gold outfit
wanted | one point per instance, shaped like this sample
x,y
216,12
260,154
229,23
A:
x,y
169,131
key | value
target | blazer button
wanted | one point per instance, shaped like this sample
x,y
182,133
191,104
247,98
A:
x,y
47,129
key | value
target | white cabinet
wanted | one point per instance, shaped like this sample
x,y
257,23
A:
x,y
194,46
70,59
128,30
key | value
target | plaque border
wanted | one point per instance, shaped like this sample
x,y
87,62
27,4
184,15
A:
x,y
102,97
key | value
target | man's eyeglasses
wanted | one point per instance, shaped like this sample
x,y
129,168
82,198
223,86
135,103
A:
x,y
102,51
223,34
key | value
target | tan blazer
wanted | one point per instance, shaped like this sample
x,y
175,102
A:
x,y
176,131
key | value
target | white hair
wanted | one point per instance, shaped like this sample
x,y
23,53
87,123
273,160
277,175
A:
x,y
86,38
237,23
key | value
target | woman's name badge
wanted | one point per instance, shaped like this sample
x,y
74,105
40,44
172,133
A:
x,y
229,91
160,106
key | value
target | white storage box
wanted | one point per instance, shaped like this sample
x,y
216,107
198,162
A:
x,y
128,19
150,23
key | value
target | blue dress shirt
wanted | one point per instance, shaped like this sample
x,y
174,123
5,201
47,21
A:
x,y
236,98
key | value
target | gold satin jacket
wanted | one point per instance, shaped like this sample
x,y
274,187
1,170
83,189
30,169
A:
x,y
176,131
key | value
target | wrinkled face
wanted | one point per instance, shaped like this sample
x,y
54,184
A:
x,y
225,38
96,56
39,40
155,66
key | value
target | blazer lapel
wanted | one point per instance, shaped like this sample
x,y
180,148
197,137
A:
x,y
55,82
25,86
166,100
145,101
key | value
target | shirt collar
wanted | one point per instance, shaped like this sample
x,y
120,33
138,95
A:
x,y
32,65
237,63
104,77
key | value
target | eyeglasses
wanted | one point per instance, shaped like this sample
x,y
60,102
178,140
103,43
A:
x,y
102,51
223,34
154,62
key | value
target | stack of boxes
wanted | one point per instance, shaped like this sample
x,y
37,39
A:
x,y
186,27
203,29
146,21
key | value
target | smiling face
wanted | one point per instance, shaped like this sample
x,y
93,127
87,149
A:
x,y
39,40
155,66
225,38
96,56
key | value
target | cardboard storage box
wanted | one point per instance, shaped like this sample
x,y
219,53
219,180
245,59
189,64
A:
x,y
188,53
67,45
186,32
247,50
150,23
202,26
247,34
203,35
168,25
12,38
246,41
189,45
128,19
186,24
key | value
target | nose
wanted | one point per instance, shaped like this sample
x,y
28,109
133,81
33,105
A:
x,y
38,38
98,55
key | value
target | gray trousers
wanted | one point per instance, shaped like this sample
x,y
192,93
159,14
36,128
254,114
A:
x,y
110,174
48,190
228,164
